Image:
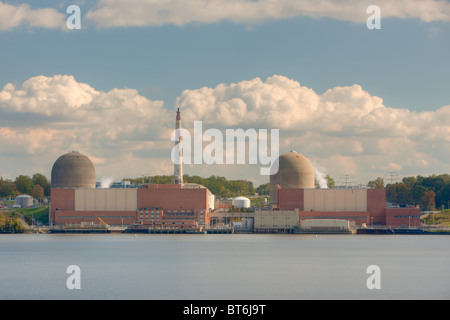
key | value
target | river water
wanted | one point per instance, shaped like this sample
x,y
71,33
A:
x,y
222,266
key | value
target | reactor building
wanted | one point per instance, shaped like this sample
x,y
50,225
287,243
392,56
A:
x,y
76,200
295,171
73,170
292,189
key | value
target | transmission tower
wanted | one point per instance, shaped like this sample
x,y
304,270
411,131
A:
x,y
347,180
391,177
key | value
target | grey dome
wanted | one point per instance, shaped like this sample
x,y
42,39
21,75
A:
x,y
73,170
294,171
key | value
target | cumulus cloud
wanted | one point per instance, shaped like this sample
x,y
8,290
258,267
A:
x,y
68,103
344,130
22,15
141,13
53,115
122,13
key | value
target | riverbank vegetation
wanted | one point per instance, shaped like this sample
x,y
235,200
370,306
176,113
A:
x,y
441,218
10,223
34,216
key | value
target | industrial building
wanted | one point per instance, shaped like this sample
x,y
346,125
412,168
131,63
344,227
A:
x,y
281,221
156,206
328,226
76,200
292,188
295,203
295,171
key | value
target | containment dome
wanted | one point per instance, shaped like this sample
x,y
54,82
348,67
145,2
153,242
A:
x,y
295,171
73,170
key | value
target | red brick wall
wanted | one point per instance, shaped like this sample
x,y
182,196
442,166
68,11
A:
x,y
376,205
109,217
173,199
62,199
291,199
397,217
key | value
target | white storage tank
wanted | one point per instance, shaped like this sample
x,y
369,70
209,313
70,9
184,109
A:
x,y
248,223
241,202
24,201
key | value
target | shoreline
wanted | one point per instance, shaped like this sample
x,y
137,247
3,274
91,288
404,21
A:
x,y
381,231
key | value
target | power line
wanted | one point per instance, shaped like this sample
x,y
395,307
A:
x,y
391,176
347,180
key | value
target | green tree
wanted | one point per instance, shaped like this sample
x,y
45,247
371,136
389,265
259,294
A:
x,y
428,200
38,192
399,193
409,181
263,189
7,189
443,197
40,179
24,184
330,182
417,194
378,183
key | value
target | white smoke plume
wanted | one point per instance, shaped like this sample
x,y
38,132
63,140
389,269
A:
x,y
106,183
320,176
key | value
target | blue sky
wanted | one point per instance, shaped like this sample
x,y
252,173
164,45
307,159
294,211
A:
x,y
401,62
405,63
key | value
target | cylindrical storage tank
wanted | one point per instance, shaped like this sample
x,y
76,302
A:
x,y
237,225
295,171
73,170
241,202
250,224
247,223
24,201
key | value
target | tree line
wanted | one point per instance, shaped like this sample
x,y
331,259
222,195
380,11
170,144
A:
x,y
219,186
37,186
432,192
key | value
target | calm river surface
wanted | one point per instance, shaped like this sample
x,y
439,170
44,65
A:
x,y
213,267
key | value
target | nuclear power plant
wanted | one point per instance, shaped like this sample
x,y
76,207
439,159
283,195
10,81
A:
x,y
75,200
296,205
